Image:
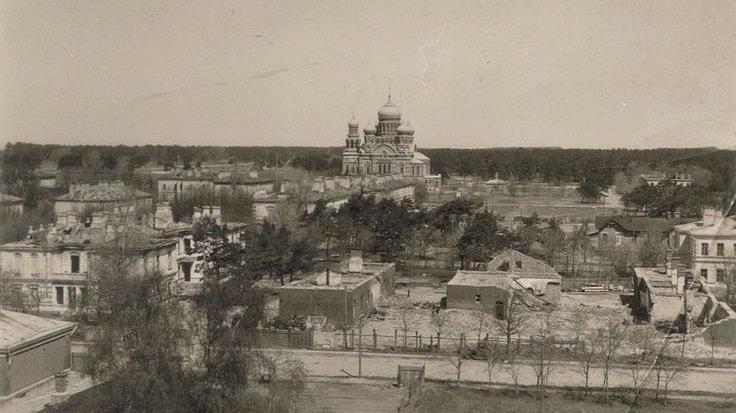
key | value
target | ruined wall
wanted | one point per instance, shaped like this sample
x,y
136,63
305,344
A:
x,y
464,296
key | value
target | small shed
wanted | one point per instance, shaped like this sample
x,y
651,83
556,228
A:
x,y
32,349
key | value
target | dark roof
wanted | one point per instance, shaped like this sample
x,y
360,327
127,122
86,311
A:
x,y
9,199
104,192
641,224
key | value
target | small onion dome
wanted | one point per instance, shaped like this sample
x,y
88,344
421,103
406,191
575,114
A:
x,y
353,123
370,130
389,111
405,130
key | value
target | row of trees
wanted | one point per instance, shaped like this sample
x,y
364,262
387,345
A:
x,y
610,344
553,165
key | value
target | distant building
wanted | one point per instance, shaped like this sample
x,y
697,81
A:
x,y
10,203
339,296
105,195
185,183
630,231
189,259
655,178
387,148
509,275
708,247
51,271
335,193
32,349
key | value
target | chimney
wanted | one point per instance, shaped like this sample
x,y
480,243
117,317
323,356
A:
x,y
709,216
216,212
681,275
163,217
355,264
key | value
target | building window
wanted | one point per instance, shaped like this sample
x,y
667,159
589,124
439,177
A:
x,y
72,293
704,248
704,274
500,310
720,275
719,249
187,246
75,264
60,295
186,269
518,264
477,298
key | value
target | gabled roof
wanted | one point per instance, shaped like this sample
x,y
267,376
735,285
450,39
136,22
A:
x,y
530,267
481,279
103,192
18,330
640,224
721,226
9,199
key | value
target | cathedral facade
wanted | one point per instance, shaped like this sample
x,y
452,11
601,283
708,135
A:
x,y
386,149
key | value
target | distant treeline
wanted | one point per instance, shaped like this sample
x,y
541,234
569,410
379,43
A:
x,y
552,165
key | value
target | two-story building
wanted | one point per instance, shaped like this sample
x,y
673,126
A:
x,y
105,195
708,247
51,269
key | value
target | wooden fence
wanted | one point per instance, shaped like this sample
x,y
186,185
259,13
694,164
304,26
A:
x,y
413,342
284,338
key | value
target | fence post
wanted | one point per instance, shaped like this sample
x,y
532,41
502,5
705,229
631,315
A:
x,y
438,341
288,338
420,342
396,338
375,340
431,342
416,340
352,339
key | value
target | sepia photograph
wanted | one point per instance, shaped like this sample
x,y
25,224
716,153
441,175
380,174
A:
x,y
386,206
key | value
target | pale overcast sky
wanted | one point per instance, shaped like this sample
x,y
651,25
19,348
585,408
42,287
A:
x,y
479,73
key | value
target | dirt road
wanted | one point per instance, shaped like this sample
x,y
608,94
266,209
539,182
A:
x,y
377,365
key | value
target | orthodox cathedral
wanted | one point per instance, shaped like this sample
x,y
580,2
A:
x,y
387,149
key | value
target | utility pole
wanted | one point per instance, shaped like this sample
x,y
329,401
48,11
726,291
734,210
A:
x,y
684,311
360,346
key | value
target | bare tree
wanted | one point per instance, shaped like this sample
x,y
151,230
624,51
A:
x,y
545,324
493,357
612,335
515,319
644,345
407,318
514,368
586,353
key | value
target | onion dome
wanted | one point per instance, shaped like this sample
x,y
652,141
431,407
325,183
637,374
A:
x,y
370,129
353,123
389,111
405,130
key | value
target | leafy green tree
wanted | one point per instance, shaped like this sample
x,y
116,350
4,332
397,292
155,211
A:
x,y
482,239
553,241
18,172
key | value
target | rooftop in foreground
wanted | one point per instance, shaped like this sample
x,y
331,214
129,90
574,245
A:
x,y
19,329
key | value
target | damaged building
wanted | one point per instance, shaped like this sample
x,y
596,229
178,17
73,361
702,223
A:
x,y
510,275
340,296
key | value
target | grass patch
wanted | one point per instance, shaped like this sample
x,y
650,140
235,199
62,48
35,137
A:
x,y
446,399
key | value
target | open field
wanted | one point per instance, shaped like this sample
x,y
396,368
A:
x,y
441,398
411,309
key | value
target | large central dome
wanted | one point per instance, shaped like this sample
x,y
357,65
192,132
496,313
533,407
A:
x,y
389,111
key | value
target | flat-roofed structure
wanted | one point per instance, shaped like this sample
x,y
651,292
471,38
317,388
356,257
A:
x,y
32,350
339,296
